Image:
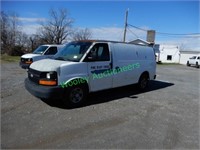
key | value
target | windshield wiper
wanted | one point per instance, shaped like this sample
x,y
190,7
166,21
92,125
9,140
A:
x,y
65,59
59,58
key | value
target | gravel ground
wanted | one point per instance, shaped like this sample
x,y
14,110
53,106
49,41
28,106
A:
x,y
164,117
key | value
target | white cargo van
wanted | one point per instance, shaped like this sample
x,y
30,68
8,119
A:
x,y
42,52
82,67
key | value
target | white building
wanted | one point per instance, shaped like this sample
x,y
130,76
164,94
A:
x,y
140,42
185,55
166,53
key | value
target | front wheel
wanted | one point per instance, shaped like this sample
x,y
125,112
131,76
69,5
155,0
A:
x,y
75,96
197,65
188,64
143,82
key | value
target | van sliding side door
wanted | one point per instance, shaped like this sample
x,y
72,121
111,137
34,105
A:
x,y
125,65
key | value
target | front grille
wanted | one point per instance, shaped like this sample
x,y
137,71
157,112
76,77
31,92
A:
x,y
35,75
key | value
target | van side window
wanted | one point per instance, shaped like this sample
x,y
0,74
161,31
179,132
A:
x,y
51,51
99,52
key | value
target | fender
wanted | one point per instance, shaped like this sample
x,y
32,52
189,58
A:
x,y
74,81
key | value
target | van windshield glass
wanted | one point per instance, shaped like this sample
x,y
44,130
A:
x,y
73,51
40,50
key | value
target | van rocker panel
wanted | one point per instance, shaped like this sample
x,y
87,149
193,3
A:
x,y
46,92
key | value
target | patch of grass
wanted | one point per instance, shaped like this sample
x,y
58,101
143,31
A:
x,y
7,58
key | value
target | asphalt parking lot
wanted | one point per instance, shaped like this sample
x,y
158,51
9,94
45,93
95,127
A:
x,y
166,116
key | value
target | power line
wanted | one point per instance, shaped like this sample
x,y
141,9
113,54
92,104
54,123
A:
x,y
137,28
172,34
133,33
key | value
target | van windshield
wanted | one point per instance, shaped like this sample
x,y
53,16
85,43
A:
x,y
73,51
194,57
40,50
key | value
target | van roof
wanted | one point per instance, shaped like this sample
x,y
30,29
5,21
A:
x,y
100,41
52,45
108,41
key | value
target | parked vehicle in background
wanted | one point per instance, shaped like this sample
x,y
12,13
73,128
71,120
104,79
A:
x,y
42,52
194,61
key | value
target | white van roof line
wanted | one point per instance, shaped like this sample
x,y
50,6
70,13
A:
x,y
108,41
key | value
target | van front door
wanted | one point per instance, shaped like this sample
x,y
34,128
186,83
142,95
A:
x,y
99,66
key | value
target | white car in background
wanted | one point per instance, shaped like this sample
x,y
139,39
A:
x,y
42,52
194,61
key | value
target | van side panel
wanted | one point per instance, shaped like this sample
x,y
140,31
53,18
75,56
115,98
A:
x,y
124,58
151,62
135,60
146,57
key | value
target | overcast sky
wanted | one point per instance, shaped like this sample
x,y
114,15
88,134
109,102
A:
x,y
106,19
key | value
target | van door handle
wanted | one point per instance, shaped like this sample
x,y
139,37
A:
x,y
117,68
111,65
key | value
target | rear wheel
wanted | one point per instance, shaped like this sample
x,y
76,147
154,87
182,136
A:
x,y
75,96
197,65
143,82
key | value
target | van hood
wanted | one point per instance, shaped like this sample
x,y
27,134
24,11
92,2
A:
x,y
47,65
30,55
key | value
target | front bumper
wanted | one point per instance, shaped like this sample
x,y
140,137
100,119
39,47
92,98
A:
x,y
24,66
46,92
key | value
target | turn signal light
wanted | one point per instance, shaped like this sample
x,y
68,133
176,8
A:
x,y
28,62
47,82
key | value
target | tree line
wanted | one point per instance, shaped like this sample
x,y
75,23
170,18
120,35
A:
x,y
58,29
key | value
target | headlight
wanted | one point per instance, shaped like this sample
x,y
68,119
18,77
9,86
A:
x,y
48,76
29,61
51,75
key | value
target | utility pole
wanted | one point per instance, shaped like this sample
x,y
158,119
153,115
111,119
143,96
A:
x,y
125,25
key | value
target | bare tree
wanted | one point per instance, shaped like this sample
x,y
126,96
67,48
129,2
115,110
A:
x,y
11,36
35,40
14,27
57,28
82,34
4,31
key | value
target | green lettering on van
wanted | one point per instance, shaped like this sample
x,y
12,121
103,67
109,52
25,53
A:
x,y
94,75
62,85
100,75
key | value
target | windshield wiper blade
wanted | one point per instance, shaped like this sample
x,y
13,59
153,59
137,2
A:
x,y
59,58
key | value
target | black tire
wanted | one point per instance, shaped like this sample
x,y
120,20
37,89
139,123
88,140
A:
x,y
143,82
75,96
44,99
197,65
188,63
